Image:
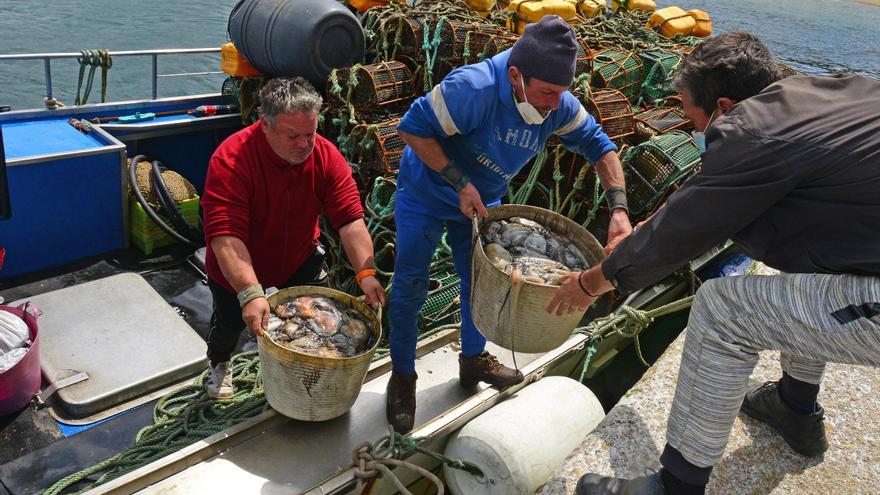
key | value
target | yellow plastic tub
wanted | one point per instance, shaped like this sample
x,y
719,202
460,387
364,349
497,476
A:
x,y
671,21
703,25
525,12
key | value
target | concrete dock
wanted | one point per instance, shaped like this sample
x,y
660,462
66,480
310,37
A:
x,y
629,440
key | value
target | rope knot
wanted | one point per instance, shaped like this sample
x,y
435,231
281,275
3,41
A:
x,y
636,321
364,463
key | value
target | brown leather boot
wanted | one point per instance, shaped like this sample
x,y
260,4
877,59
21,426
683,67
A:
x,y
486,368
400,401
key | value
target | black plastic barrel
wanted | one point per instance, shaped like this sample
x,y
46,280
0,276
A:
x,y
306,38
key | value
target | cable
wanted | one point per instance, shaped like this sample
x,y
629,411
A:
x,y
132,178
169,206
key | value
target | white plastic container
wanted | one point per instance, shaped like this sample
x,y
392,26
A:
x,y
520,442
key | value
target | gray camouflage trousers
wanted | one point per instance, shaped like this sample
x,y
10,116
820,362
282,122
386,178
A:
x,y
811,318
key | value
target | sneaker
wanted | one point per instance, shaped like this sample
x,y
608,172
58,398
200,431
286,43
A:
x,y
594,484
805,433
486,368
219,383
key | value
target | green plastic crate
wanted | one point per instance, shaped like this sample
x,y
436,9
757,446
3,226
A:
x,y
147,236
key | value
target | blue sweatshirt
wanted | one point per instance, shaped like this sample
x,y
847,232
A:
x,y
473,114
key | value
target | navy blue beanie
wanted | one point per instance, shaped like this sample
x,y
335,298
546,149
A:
x,y
547,50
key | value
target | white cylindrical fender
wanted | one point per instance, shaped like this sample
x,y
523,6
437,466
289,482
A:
x,y
520,442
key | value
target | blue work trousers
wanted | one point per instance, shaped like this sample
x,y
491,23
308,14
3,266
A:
x,y
419,229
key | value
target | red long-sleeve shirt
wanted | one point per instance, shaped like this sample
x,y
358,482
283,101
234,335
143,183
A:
x,y
273,207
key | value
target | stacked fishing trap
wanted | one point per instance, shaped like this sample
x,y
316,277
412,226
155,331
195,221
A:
x,y
624,79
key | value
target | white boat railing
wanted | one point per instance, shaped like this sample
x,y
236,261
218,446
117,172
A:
x,y
47,59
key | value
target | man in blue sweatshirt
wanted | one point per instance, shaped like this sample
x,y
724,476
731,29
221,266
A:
x,y
466,140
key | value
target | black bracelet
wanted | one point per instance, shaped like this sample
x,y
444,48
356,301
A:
x,y
616,198
454,176
582,286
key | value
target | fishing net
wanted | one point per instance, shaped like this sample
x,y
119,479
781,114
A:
x,y
379,146
661,120
656,165
660,70
612,110
620,70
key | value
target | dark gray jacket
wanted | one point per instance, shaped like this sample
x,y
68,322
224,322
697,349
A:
x,y
792,175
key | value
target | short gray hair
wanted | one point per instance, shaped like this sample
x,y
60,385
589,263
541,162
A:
x,y
288,94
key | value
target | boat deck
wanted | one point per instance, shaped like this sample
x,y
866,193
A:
x,y
630,439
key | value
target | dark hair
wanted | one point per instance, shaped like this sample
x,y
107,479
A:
x,y
732,65
288,94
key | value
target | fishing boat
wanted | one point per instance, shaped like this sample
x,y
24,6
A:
x,y
123,315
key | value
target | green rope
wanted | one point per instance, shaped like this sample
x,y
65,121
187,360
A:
x,y
397,446
627,322
522,195
591,351
181,418
597,202
92,59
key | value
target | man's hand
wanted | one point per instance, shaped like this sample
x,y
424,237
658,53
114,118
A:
x,y
618,229
470,202
374,294
256,315
569,297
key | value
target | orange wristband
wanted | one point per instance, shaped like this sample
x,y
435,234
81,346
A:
x,y
366,272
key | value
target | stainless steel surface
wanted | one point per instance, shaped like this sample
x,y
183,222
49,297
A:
x,y
47,66
274,455
49,391
153,54
439,428
64,417
135,132
185,74
128,106
289,456
122,333
120,53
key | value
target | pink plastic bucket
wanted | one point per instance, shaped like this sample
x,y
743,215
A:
x,y
19,384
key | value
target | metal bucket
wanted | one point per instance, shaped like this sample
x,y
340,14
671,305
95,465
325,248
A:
x,y
311,388
19,384
512,312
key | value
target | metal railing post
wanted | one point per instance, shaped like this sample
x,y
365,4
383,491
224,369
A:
x,y
155,58
47,63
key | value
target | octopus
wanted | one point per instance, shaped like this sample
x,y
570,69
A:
x,y
320,326
541,256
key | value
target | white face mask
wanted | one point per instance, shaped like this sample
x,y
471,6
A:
x,y
700,137
527,111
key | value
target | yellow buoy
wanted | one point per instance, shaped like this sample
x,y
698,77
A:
x,y
524,12
671,21
646,5
704,23
232,63
590,8
363,5
481,7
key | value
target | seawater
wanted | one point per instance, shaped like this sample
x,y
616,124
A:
x,y
813,36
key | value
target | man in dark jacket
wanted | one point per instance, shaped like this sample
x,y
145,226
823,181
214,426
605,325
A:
x,y
790,173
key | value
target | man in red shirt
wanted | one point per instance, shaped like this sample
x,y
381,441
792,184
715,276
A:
x,y
266,186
